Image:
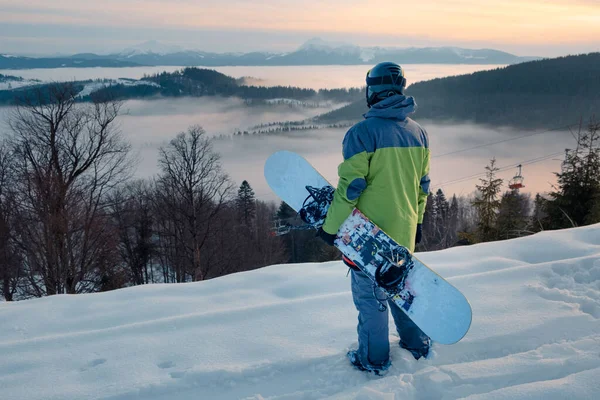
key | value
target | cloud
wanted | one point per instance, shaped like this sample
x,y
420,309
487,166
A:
x,y
152,124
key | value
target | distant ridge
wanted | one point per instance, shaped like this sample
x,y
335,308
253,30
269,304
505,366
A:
x,y
190,81
544,93
313,52
80,61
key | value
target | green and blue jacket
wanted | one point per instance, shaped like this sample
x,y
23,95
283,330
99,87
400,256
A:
x,y
385,173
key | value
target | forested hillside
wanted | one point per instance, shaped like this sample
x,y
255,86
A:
x,y
195,82
545,93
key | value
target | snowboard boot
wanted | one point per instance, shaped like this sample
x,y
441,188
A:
x,y
377,370
422,351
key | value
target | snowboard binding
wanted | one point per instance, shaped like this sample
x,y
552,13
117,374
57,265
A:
x,y
313,212
391,274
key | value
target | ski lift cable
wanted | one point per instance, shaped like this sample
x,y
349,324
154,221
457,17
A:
x,y
474,176
459,180
502,141
501,169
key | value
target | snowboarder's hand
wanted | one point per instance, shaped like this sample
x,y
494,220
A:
x,y
419,234
326,237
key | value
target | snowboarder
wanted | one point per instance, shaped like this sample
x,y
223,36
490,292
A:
x,y
385,175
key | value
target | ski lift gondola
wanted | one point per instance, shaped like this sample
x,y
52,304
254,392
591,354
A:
x,y
280,228
516,182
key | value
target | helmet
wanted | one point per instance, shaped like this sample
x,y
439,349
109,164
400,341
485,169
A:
x,y
384,80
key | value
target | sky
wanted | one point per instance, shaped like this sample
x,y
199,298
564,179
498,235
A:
x,y
523,27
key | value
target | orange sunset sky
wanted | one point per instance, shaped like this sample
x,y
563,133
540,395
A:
x,y
524,27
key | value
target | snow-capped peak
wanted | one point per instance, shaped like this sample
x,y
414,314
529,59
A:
x,y
322,45
151,47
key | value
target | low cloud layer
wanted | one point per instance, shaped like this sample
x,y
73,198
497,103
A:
x,y
311,76
151,124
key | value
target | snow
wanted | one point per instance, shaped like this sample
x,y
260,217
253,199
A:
x,y
367,54
276,56
284,100
294,102
282,332
14,84
151,47
94,86
88,89
329,47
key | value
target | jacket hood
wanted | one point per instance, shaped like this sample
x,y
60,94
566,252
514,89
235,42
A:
x,y
394,107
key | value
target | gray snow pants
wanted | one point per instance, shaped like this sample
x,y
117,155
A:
x,y
373,331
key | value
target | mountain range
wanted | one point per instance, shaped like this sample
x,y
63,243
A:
x,y
313,52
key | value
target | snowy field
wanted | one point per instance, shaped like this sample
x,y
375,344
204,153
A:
x,y
94,86
8,84
282,332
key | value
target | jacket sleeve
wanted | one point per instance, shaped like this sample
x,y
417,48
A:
x,y
424,186
352,181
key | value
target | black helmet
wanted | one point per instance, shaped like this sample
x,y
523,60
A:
x,y
384,80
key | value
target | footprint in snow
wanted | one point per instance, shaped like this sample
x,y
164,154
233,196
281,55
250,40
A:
x,y
94,363
177,374
166,365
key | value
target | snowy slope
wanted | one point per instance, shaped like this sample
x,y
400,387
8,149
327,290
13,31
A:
x,y
151,47
13,82
282,333
92,87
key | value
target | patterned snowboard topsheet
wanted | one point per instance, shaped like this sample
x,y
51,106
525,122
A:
x,y
437,307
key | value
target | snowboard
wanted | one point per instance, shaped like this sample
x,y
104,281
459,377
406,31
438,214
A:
x,y
439,309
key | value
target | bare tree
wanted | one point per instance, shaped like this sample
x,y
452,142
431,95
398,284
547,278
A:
x,y
69,156
226,250
191,190
131,208
233,246
10,256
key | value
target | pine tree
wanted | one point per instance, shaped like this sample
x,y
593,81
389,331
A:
x,y
428,225
246,203
442,208
453,215
539,213
487,203
285,212
575,203
513,214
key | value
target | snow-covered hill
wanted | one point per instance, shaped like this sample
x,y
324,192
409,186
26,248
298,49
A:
x,y
282,333
151,47
8,82
90,88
